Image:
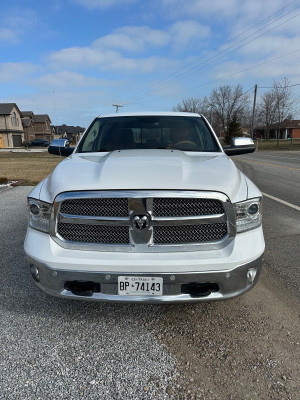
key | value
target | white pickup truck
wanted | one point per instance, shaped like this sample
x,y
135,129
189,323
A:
x,y
147,208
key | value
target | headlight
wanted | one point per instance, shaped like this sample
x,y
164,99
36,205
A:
x,y
39,215
248,214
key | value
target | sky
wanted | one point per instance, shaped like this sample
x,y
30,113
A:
x,y
75,59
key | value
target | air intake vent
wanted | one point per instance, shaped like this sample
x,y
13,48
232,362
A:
x,y
105,207
94,233
183,207
189,233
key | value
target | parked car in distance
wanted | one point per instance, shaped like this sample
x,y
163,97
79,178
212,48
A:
x,y
39,142
60,147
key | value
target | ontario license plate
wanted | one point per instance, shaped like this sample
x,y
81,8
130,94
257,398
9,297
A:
x,y
140,285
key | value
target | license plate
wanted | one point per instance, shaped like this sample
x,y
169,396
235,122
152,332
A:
x,y
140,285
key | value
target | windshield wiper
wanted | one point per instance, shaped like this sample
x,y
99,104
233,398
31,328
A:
x,y
176,148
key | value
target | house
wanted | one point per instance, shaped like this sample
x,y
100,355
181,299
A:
x,y
288,129
28,125
42,127
11,128
70,132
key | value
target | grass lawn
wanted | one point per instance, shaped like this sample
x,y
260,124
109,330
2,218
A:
x,y
29,168
272,145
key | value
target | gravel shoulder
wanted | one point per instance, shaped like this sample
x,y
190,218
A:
x,y
244,348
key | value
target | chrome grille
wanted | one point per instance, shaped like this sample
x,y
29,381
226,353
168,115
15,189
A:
x,y
108,207
178,220
189,233
181,207
94,233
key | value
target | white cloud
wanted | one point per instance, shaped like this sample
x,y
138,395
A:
x,y
16,72
236,12
8,35
102,4
260,68
219,9
270,45
68,79
107,60
188,33
133,38
109,51
88,57
15,26
251,13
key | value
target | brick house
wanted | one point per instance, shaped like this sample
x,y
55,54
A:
x,y
11,128
28,125
288,129
42,127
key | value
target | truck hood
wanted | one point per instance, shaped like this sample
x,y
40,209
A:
x,y
146,169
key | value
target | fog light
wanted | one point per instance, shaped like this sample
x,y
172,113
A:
x,y
35,273
251,275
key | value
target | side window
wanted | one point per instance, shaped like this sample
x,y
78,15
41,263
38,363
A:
x,y
91,142
137,134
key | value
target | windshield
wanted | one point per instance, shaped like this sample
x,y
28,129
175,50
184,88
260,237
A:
x,y
148,132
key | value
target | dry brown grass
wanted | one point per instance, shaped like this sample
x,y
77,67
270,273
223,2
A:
x,y
29,168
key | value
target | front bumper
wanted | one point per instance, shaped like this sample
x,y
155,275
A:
x,y
177,287
91,275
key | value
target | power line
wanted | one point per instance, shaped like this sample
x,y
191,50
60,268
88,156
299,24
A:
x,y
186,71
234,74
212,51
218,57
271,87
249,89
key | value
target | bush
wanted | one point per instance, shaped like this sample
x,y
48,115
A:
x,y
3,180
26,143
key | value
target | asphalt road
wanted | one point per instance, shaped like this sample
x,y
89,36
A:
x,y
277,174
244,348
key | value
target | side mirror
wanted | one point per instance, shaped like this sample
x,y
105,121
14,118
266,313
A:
x,y
239,145
60,151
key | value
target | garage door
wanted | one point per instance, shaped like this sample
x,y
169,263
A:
x,y
17,140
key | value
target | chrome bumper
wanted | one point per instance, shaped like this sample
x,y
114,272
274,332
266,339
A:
x,y
226,284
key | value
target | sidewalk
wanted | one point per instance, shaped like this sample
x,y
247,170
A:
x,y
23,150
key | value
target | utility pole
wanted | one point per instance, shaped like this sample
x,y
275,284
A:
x,y
117,107
253,113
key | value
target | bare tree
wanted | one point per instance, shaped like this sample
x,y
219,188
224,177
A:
x,y
266,111
285,102
227,100
191,104
276,105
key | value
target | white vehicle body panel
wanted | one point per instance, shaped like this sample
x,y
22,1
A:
x,y
146,169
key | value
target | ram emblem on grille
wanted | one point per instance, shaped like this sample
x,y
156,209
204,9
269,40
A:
x,y
141,221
